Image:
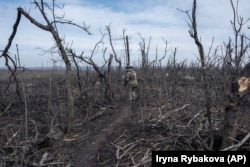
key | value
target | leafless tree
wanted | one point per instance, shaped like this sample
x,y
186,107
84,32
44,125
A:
x,y
113,49
165,52
193,32
103,74
236,50
51,26
8,58
126,45
144,51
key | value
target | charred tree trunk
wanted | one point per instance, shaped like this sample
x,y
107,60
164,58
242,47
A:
x,y
230,121
8,58
113,50
236,54
144,52
236,114
79,82
108,91
127,51
194,34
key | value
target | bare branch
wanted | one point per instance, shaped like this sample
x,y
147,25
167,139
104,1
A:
x,y
33,21
112,47
83,27
235,147
7,57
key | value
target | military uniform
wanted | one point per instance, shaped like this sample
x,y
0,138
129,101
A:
x,y
131,82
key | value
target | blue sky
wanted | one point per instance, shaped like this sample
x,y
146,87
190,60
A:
x,y
158,19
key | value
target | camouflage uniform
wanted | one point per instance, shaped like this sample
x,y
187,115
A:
x,y
131,81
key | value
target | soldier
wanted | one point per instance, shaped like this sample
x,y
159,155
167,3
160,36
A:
x,y
131,81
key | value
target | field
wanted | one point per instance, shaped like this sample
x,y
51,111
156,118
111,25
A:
x,y
169,113
82,117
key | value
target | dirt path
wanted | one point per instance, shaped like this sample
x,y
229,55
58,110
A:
x,y
87,153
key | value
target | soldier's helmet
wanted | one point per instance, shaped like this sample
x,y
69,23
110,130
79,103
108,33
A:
x,y
128,68
246,70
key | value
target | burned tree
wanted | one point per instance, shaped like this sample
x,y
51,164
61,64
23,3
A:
x,y
126,45
235,57
113,49
193,32
144,51
104,75
51,27
8,58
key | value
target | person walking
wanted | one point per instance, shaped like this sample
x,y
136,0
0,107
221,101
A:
x,y
131,82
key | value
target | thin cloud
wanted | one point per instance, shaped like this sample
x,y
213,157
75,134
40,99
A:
x,y
151,18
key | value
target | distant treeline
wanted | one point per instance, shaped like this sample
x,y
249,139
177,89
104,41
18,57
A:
x,y
55,68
